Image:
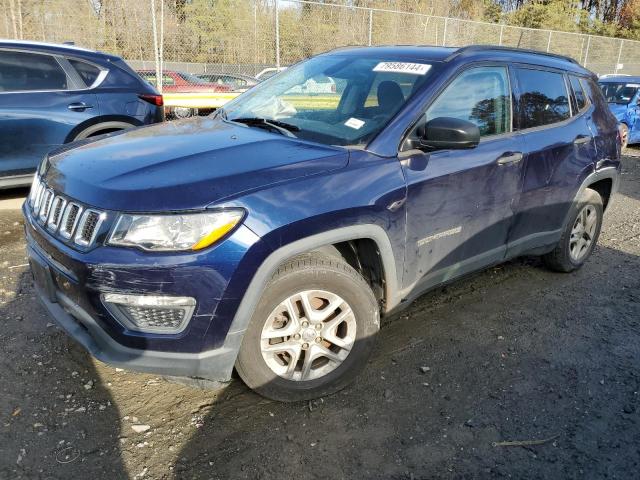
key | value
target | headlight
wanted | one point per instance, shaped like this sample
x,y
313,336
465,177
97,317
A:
x,y
173,232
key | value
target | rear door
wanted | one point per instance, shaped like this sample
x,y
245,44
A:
x,y
459,202
559,149
40,103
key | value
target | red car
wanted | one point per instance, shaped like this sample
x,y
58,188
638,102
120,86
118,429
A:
x,y
182,82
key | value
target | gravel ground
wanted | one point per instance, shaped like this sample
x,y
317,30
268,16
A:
x,y
515,353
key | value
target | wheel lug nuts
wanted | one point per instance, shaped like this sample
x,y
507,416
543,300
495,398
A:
x,y
318,339
305,324
318,326
305,345
296,336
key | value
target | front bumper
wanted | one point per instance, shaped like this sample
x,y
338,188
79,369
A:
x,y
215,365
70,284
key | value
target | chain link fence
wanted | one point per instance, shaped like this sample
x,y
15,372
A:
x,y
247,36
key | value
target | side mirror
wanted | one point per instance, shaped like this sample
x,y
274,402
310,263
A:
x,y
446,133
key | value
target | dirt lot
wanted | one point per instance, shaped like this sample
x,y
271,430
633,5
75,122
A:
x,y
516,353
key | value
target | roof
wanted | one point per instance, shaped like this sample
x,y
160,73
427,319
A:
x,y
470,53
63,49
619,79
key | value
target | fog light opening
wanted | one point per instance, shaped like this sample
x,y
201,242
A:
x,y
150,313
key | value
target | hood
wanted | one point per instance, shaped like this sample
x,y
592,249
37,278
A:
x,y
618,110
183,165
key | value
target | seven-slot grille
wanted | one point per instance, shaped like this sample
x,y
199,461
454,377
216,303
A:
x,y
64,218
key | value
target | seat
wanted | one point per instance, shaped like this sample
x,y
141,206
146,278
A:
x,y
390,96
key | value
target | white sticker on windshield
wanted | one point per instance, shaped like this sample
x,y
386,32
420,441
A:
x,y
403,67
354,123
633,85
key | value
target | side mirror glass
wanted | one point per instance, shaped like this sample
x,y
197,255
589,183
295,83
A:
x,y
447,133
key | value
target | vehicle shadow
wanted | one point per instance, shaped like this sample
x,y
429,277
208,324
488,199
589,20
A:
x,y
59,420
514,353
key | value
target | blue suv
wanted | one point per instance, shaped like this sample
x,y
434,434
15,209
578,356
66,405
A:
x,y
622,92
273,236
55,94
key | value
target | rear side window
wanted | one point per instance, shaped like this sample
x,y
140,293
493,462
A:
x,y
543,98
578,92
479,95
88,72
20,71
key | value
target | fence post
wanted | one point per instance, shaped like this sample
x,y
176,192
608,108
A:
x,y
619,56
277,35
501,32
549,41
156,52
586,53
370,25
444,32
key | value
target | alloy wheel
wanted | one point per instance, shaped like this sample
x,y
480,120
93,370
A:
x,y
308,335
583,232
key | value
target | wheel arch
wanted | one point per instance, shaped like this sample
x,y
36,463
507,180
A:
x,y
96,125
331,239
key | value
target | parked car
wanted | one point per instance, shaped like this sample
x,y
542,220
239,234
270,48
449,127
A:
x,y
186,94
235,81
54,94
622,92
269,72
273,239
181,82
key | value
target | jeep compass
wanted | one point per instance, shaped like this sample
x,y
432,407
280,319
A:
x,y
273,236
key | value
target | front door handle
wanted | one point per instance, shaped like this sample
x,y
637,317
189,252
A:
x,y
509,157
79,107
582,139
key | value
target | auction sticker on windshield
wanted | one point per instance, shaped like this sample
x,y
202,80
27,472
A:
x,y
402,67
354,123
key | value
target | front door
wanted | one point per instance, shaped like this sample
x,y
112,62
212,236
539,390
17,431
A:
x,y
459,203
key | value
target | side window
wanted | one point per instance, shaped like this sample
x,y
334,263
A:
x,y
543,98
578,93
20,71
479,95
168,80
88,72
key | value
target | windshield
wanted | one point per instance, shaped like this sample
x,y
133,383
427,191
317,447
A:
x,y
621,93
333,99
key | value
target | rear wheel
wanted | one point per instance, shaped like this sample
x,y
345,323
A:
x,y
624,135
580,235
312,331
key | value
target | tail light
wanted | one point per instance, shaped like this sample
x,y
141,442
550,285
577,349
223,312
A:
x,y
156,100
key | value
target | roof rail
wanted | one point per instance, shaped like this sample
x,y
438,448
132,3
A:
x,y
484,48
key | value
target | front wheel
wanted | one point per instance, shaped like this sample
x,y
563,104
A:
x,y
312,331
580,235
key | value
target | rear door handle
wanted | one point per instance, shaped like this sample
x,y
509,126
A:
x,y
79,107
582,139
509,157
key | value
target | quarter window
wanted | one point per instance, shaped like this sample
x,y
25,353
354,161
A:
x,y
479,95
88,72
20,71
543,98
578,92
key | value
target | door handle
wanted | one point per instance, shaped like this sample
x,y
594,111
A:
x,y
582,139
509,157
79,107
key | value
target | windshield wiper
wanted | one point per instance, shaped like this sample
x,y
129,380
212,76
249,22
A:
x,y
282,127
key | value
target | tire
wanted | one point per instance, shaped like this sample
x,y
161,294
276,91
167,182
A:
x,y
319,278
624,134
571,253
